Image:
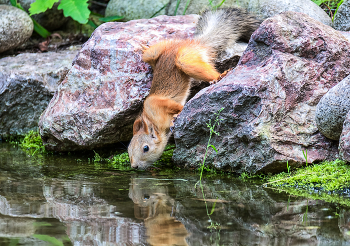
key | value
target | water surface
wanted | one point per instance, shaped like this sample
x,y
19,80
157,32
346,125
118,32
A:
x,y
70,200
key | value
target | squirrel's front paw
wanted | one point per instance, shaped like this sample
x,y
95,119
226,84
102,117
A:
x,y
221,76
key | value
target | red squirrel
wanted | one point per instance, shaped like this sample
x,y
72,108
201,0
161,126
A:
x,y
174,63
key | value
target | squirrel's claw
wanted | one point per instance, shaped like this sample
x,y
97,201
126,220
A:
x,y
144,47
221,76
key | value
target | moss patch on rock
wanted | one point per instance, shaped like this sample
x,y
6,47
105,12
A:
x,y
328,176
32,143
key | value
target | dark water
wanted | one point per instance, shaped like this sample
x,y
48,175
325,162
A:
x,y
70,201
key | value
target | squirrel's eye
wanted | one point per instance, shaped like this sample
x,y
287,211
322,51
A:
x,y
145,148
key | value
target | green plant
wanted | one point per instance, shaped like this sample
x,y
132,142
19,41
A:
x,y
331,5
37,27
32,143
77,9
288,168
119,161
305,156
167,155
97,157
328,176
306,212
52,240
211,133
336,10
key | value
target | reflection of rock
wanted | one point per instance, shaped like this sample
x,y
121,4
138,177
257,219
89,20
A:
x,y
16,227
98,211
156,208
344,224
78,205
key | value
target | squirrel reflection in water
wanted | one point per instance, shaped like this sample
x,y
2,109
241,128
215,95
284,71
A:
x,y
155,207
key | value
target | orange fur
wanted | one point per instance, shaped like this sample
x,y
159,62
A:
x,y
160,111
173,62
195,61
152,54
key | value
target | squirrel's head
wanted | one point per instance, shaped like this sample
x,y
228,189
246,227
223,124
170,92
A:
x,y
147,144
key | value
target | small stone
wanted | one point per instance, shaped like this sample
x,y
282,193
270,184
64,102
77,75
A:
x,y
132,10
270,8
342,17
15,27
332,109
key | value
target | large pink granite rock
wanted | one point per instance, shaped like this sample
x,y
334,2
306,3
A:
x,y
269,100
103,92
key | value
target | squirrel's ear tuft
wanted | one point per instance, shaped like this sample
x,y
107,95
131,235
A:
x,y
139,124
152,54
196,62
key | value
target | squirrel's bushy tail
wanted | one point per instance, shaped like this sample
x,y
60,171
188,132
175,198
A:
x,y
223,27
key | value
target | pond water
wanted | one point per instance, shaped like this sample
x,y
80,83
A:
x,y
69,200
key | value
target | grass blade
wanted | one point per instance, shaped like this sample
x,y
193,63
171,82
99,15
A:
x,y
111,18
213,208
40,29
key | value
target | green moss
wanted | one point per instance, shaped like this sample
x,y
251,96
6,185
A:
x,y
167,156
329,176
32,143
331,198
120,162
247,177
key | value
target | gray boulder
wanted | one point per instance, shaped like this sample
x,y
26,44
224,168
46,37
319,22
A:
x,y
263,8
269,8
342,18
332,109
133,10
15,27
26,88
51,19
269,100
